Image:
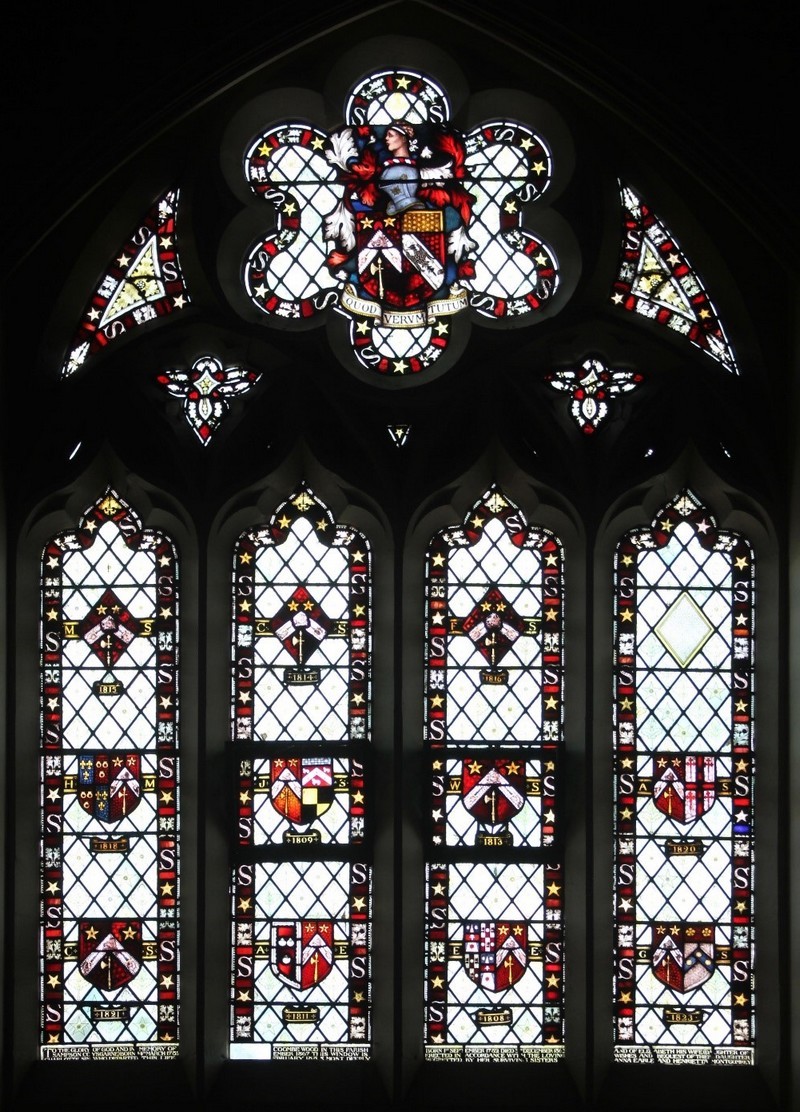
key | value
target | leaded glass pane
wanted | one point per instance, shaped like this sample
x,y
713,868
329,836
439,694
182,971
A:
x,y
301,899
110,790
684,768
494,976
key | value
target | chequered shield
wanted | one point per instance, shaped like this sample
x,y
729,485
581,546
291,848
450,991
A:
x,y
495,953
301,788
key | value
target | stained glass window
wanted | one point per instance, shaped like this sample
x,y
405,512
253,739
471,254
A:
x,y
400,222
494,976
110,879
684,791
143,283
301,722
657,281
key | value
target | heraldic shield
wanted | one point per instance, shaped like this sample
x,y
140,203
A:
x,y
495,953
302,788
683,954
301,951
109,951
685,786
493,791
109,784
401,259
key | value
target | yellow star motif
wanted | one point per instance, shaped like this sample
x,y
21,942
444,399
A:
x,y
538,167
244,905
246,557
437,982
437,700
741,1000
550,615
551,702
741,562
166,981
552,981
438,560
359,611
322,525
553,889
53,981
400,367
244,996
476,522
284,522
359,903
626,615
244,797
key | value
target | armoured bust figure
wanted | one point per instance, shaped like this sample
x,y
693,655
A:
x,y
400,180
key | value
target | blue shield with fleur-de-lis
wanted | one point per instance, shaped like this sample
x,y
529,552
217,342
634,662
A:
x,y
109,783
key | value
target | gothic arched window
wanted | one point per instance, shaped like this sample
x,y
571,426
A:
x,y
444,386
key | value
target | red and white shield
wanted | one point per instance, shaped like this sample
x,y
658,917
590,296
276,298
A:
x,y
683,954
109,951
495,953
301,953
493,790
401,258
685,787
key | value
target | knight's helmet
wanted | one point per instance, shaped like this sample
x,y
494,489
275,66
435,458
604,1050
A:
x,y
401,181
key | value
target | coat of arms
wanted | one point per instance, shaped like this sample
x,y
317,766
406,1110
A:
x,y
400,231
683,954
493,791
109,951
495,953
109,784
301,951
301,788
684,787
